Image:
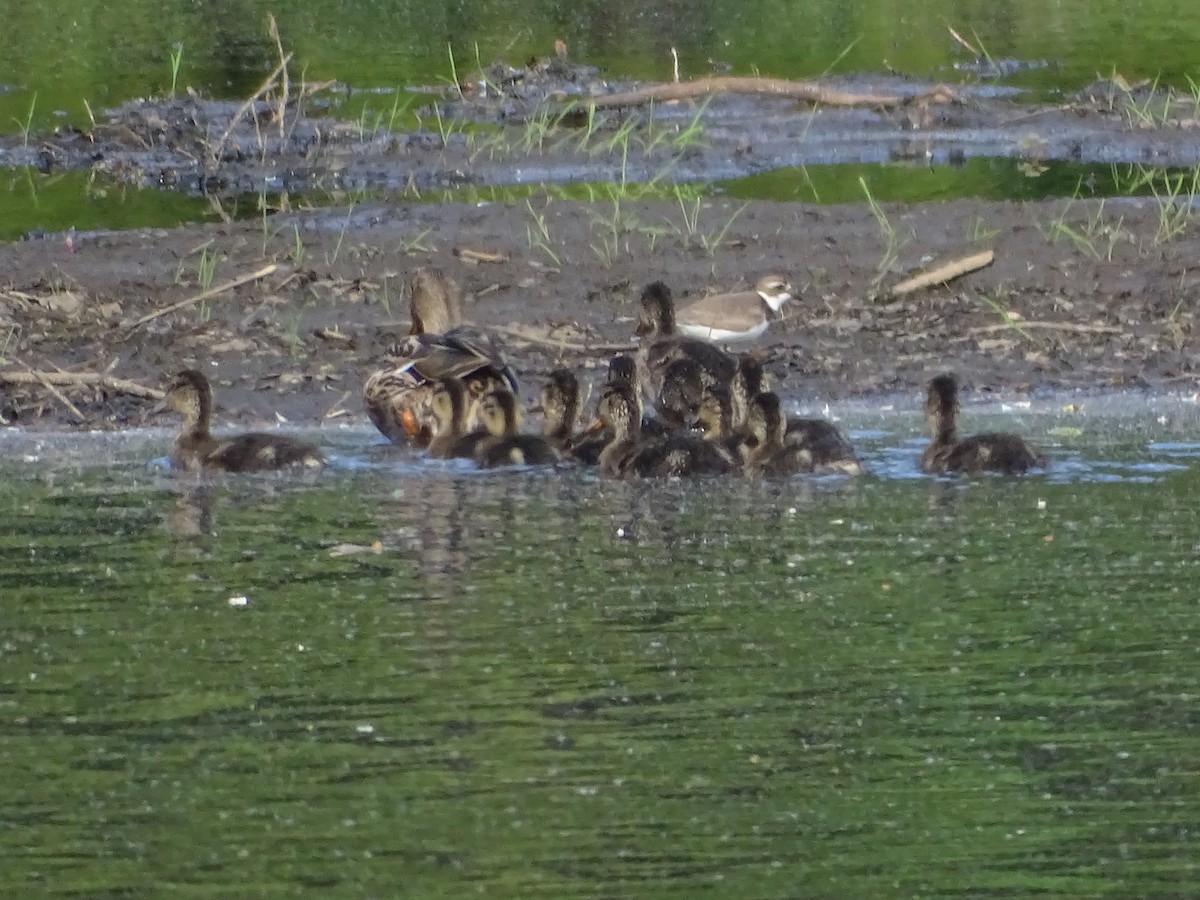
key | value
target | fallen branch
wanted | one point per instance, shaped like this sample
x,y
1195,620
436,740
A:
x,y
947,272
40,378
204,295
809,91
70,379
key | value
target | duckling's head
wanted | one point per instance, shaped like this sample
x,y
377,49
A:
x,y
657,315
941,399
713,413
498,413
765,420
189,395
618,411
448,405
750,377
682,391
434,302
748,380
775,290
560,401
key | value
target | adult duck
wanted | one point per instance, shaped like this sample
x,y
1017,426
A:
x,y
438,347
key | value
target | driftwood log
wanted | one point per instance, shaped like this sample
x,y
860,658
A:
x,y
809,91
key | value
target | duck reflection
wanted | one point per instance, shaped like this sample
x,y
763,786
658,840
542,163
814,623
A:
x,y
192,513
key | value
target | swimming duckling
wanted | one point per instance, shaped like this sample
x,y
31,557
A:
x,y
623,369
682,391
775,444
662,344
196,450
748,382
996,452
438,347
762,449
627,452
559,403
450,411
504,444
830,450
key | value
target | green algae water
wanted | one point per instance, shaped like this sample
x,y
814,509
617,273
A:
x,y
57,54
62,64
411,679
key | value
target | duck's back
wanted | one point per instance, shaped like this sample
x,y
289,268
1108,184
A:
x,y
256,452
993,452
515,450
680,454
822,444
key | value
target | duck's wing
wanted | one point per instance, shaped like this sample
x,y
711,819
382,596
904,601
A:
x,y
1005,453
460,353
395,394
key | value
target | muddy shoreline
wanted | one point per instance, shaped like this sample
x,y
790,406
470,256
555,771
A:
x,y
1082,294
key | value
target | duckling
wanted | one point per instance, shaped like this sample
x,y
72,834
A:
x,y
196,450
662,343
675,455
762,449
504,444
996,452
714,419
765,448
559,404
449,412
622,368
830,450
748,381
394,393
683,389
617,414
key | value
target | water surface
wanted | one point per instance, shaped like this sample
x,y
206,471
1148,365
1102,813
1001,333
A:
x,y
531,683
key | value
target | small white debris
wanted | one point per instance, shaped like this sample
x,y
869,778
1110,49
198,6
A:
x,y
239,601
364,729
1041,503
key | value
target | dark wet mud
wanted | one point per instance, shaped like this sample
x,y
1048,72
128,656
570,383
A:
x,y
1080,294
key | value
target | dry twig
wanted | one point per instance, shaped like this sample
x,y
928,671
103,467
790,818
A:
x,y
204,295
94,379
944,273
